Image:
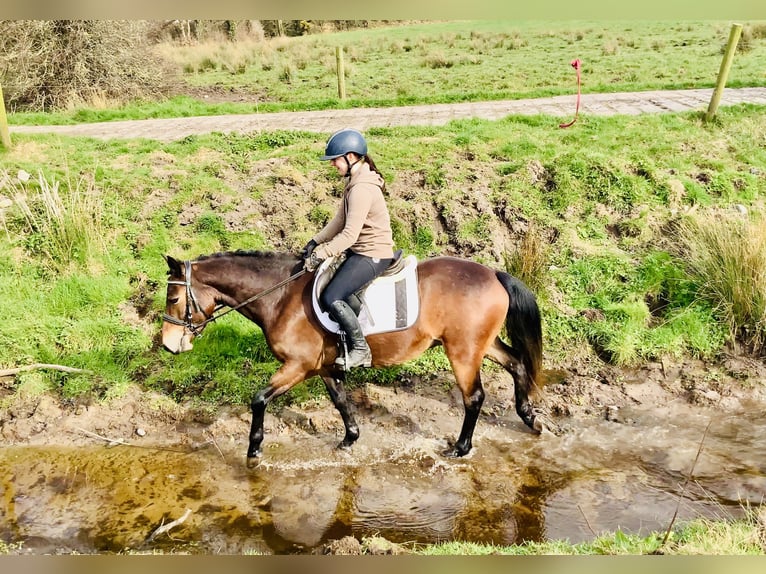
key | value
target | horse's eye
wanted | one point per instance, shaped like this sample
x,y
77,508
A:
x,y
173,300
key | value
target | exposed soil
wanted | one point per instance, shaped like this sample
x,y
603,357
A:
x,y
433,407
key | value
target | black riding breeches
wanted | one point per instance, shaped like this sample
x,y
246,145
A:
x,y
357,271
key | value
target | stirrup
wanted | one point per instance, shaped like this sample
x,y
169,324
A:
x,y
343,362
340,360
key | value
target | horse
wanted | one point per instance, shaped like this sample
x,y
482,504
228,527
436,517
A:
x,y
464,305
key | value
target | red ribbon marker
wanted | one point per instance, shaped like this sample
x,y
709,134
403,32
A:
x,y
576,66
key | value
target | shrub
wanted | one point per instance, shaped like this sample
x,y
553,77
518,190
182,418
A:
x,y
56,64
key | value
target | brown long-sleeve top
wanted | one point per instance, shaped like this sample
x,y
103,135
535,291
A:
x,y
362,222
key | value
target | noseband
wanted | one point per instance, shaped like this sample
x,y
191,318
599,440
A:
x,y
191,302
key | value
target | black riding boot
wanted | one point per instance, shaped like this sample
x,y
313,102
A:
x,y
359,354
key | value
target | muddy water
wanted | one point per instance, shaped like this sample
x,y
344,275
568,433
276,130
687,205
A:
x,y
601,476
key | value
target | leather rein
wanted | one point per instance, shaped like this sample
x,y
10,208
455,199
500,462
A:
x,y
193,305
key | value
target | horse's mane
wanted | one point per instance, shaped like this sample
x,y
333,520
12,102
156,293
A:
x,y
254,259
246,253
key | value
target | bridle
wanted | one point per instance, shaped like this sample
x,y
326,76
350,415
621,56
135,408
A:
x,y
193,305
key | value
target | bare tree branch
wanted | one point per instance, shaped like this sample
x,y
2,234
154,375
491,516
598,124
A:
x,y
166,527
683,488
65,369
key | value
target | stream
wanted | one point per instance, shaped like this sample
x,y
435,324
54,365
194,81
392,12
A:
x,y
599,476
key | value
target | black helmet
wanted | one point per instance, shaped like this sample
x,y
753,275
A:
x,y
344,141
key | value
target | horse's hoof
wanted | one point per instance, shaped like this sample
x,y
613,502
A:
x,y
538,426
454,452
254,461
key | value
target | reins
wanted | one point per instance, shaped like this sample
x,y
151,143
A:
x,y
190,298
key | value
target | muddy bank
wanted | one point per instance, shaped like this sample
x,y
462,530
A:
x,y
590,390
97,477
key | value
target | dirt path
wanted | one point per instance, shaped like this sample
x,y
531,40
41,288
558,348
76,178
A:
x,y
439,114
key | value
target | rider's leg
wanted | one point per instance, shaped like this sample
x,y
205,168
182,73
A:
x,y
356,272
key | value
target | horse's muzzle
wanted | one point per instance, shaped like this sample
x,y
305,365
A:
x,y
177,340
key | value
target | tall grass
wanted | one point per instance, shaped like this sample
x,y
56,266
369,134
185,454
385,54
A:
x,y
64,226
726,254
530,261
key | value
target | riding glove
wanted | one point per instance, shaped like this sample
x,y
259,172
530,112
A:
x,y
308,249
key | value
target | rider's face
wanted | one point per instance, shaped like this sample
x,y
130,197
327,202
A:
x,y
341,164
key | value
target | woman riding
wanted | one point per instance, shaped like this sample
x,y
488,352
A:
x,y
362,229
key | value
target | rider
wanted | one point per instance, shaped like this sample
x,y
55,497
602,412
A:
x,y
361,228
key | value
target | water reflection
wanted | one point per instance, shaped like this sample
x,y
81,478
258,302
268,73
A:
x,y
601,477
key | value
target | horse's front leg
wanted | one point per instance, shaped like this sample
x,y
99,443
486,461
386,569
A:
x,y
337,392
286,377
258,407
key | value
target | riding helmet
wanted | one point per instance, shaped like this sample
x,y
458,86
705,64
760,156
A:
x,y
345,141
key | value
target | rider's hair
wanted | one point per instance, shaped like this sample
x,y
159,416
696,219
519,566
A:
x,y
374,168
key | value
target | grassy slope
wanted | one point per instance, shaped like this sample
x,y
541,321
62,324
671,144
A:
x,y
601,195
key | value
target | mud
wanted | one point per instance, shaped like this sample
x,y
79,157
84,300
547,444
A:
x,y
104,477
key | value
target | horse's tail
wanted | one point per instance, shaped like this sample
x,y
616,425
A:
x,y
523,324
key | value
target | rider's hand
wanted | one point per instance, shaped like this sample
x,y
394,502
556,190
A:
x,y
308,249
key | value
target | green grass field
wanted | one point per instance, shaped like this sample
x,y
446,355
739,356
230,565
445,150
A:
x,y
442,62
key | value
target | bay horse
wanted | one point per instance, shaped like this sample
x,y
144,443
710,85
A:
x,y
463,306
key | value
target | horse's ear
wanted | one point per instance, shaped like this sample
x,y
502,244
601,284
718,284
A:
x,y
175,266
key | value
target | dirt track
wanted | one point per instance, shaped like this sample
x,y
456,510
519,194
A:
x,y
329,120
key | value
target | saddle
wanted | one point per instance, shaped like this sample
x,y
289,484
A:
x,y
390,303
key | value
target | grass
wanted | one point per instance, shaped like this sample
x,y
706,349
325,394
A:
x,y
66,227
698,537
441,62
726,256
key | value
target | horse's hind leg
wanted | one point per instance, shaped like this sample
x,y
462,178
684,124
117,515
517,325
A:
x,y
505,356
337,393
468,377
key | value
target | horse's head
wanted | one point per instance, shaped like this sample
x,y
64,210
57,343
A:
x,y
187,307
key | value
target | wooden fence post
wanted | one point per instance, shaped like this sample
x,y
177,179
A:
x,y
341,72
723,72
5,135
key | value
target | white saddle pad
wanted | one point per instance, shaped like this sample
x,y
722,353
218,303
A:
x,y
389,303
